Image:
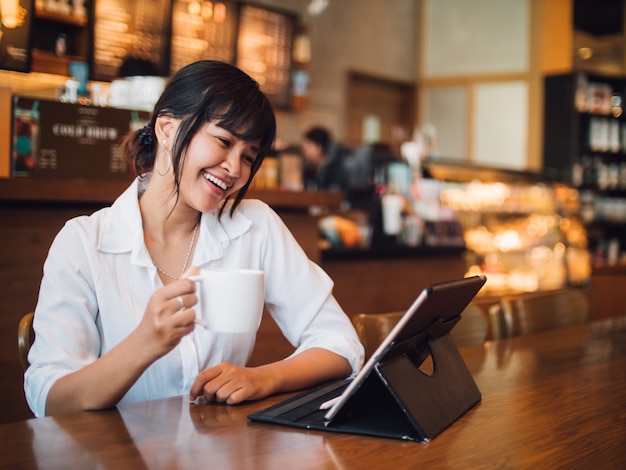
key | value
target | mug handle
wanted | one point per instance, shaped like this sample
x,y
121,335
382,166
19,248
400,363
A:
x,y
198,320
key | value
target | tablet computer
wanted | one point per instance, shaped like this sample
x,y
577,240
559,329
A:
x,y
366,404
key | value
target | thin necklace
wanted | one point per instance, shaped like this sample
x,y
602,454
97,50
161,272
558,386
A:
x,y
193,238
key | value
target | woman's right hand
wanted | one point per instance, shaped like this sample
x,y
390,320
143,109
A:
x,y
169,316
104,382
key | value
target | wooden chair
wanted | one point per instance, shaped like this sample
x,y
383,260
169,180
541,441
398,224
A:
x,y
524,314
25,338
472,328
372,328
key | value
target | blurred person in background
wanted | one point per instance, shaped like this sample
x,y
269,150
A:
x,y
324,161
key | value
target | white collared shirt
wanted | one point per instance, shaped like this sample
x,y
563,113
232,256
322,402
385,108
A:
x,y
98,277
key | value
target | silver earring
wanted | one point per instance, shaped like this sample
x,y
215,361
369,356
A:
x,y
169,160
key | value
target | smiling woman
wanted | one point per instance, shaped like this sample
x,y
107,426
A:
x,y
243,111
118,279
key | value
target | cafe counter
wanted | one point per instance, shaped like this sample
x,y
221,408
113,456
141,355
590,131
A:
x,y
608,283
385,279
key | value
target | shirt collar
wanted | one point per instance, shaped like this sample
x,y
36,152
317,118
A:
x,y
122,231
216,234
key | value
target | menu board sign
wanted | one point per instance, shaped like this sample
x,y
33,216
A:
x,y
264,47
57,139
256,39
205,32
14,39
130,28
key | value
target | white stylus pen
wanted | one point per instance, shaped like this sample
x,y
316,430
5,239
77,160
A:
x,y
328,404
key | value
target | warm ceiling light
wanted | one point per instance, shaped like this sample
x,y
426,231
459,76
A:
x,y
194,8
585,53
302,48
207,10
219,12
316,7
10,13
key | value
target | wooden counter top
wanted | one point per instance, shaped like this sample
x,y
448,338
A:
x,y
554,399
82,190
391,252
610,269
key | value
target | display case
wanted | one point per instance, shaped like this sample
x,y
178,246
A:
x,y
524,233
585,146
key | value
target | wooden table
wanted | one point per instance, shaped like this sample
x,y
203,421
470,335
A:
x,y
550,400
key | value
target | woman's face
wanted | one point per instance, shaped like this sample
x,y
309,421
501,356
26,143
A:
x,y
217,164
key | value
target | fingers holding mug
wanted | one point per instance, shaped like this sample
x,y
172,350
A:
x,y
183,315
181,295
184,301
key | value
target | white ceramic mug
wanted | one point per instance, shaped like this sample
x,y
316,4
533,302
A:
x,y
229,300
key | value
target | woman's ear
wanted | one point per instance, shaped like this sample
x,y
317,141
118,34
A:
x,y
165,128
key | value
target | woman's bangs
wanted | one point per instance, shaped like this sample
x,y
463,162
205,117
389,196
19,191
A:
x,y
249,123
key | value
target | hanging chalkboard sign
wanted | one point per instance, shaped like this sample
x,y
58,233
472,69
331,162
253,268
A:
x,y
169,35
264,46
203,30
256,39
130,29
15,38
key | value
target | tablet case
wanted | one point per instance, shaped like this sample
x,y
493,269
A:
x,y
396,399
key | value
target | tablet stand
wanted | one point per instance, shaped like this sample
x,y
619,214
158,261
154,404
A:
x,y
401,401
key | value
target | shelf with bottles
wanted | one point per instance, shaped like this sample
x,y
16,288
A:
x,y
602,135
599,161
583,117
585,146
604,174
599,104
604,215
60,34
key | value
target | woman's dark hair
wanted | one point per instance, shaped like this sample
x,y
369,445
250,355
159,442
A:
x,y
198,93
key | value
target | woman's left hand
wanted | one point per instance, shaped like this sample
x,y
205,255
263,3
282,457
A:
x,y
231,384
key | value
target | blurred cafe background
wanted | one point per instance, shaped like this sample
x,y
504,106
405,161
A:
x,y
462,137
